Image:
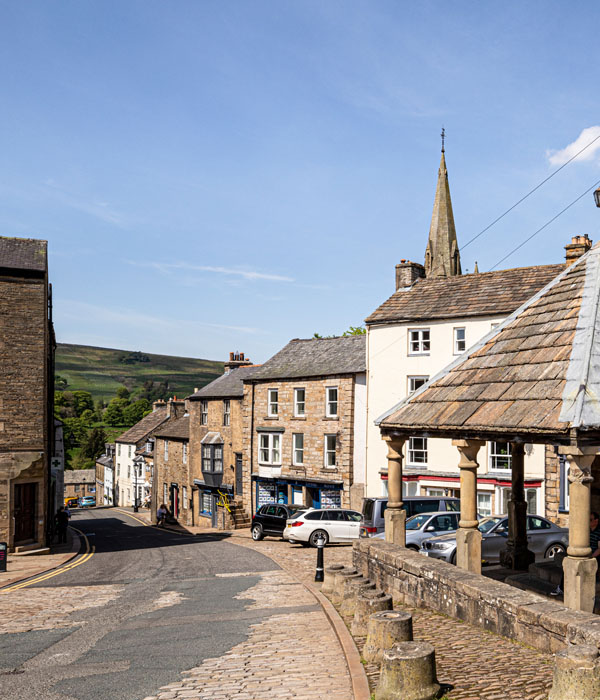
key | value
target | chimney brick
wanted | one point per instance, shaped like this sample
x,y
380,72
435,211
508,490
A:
x,y
407,273
577,247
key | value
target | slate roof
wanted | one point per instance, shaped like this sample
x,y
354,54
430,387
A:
x,y
175,428
230,385
80,476
23,254
144,427
536,374
316,357
483,294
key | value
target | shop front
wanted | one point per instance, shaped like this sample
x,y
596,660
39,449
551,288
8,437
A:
x,y
213,503
315,494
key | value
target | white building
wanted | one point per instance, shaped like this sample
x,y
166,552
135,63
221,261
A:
x,y
434,315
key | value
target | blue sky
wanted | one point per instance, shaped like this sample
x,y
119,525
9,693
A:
x,y
216,176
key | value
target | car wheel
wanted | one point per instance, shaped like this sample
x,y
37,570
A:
x,y
553,550
413,547
453,558
316,535
257,532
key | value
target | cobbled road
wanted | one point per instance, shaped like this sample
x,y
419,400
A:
x,y
158,614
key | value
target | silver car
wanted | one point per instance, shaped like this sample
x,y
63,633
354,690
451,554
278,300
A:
x,y
544,539
420,527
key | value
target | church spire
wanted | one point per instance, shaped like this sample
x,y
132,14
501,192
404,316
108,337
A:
x,y
442,257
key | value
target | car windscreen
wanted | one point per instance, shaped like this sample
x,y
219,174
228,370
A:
x,y
454,506
416,522
367,509
487,524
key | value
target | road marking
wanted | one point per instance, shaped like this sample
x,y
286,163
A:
x,y
86,556
155,527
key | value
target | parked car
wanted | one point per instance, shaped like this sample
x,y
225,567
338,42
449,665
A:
x,y
71,502
271,518
425,525
373,509
87,501
544,538
333,524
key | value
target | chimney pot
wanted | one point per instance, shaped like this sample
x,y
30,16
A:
x,y
577,247
231,357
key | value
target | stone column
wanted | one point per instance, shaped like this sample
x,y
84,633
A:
x,y
516,555
468,537
579,566
395,515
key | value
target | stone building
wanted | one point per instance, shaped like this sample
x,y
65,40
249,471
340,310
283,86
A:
x,y
80,483
172,476
304,424
131,485
220,472
434,315
26,394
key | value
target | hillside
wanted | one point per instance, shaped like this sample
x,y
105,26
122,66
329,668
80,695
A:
x,y
101,371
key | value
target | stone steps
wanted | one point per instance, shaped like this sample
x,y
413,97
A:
x,y
533,584
26,551
547,570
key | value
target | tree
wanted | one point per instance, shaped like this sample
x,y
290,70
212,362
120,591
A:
x,y
136,411
113,414
74,432
123,392
82,401
87,417
93,445
355,330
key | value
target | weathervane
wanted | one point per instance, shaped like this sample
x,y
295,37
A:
x,y
443,138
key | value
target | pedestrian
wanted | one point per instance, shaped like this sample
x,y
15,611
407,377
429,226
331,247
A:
x,y
594,544
161,515
62,521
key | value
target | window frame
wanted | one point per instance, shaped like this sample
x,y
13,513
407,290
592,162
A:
x,y
297,402
296,450
420,340
412,451
166,451
184,452
493,457
184,494
457,340
270,449
410,381
328,451
203,412
226,412
484,510
212,461
273,405
329,402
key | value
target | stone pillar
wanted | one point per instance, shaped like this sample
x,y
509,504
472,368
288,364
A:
x,y
468,537
579,566
516,555
395,515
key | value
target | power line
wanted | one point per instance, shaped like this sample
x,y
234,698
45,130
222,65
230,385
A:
x,y
514,250
537,187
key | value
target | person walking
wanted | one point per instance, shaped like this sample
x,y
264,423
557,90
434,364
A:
x,y
161,515
62,521
595,546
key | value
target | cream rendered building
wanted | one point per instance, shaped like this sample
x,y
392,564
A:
x,y
435,314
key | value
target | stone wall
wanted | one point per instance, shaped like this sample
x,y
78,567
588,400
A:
x,y
173,470
413,579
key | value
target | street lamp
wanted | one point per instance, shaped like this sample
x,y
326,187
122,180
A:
x,y
597,197
137,462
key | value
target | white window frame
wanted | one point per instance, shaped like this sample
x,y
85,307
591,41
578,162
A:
x,y
300,404
129,451
416,381
166,450
226,412
486,509
185,497
435,492
165,494
419,341
204,412
331,404
329,452
417,453
460,344
212,458
494,457
273,403
269,449
297,449
184,452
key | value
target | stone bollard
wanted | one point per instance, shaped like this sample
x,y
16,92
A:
x,y
367,603
408,673
576,674
330,573
352,588
338,583
384,630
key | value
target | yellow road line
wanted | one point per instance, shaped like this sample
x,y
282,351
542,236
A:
x,y
86,556
135,517
155,527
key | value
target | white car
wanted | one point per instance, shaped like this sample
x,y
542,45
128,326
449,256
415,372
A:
x,y
333,524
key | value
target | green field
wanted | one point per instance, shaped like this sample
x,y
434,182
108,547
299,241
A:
x,y
101,371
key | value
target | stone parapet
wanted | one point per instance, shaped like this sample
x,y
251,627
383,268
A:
x,y
415,580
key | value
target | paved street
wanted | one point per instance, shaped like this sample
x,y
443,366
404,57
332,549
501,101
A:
x,y
153,613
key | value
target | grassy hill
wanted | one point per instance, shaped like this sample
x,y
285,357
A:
x,y
101,371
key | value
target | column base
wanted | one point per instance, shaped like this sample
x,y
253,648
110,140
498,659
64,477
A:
x,y
580,583
395,526
517,558
468,549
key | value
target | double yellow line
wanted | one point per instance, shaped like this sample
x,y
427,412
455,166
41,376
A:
x,y
86,556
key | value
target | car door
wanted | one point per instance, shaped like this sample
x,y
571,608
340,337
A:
x,y
270,516
494,542
336,525
538,531
353,520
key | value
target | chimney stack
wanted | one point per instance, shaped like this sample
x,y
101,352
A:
x,y
236,359
407,273
175,408
577,247
158,404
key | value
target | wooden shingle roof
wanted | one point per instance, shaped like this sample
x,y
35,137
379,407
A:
x,y
535,375
463,296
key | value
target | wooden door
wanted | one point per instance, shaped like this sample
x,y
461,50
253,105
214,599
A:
x,y
25,507
239,484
